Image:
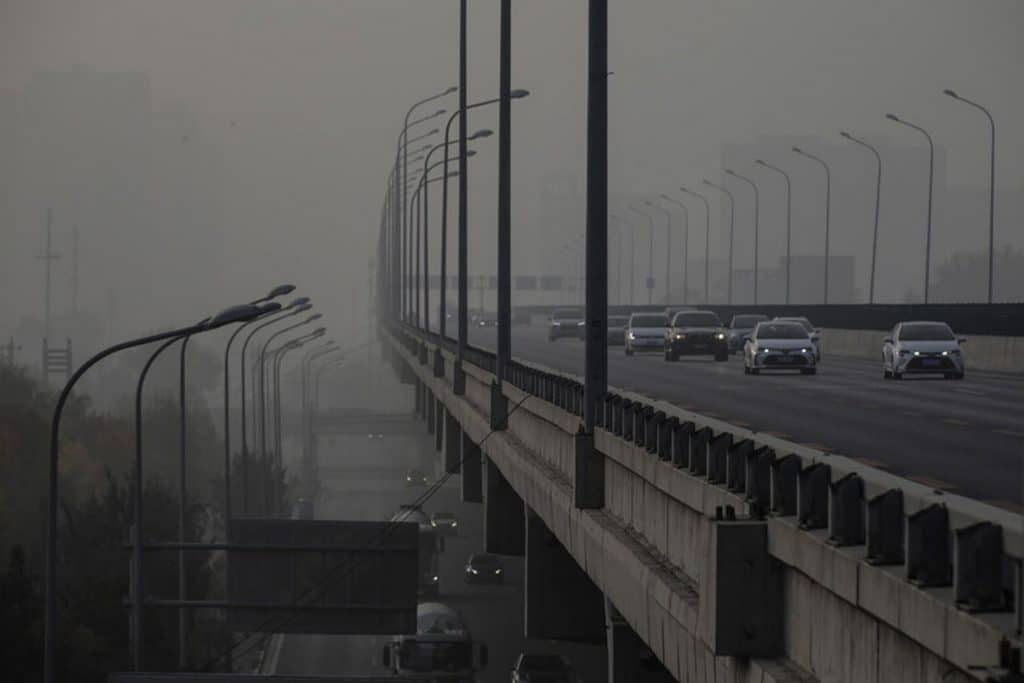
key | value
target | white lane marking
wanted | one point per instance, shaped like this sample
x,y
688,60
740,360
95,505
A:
x,y
1010,432
969,392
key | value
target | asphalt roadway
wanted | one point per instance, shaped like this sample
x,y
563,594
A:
x,y
966,437
494,614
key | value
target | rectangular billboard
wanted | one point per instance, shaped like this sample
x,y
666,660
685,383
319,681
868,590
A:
x,y
322,576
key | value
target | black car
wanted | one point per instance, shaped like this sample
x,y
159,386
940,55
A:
x,y
617,325
696,333
740,328
550,668
484,568
566,322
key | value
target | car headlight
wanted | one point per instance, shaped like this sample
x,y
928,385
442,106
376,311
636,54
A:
x,y
764,350
471,570
917,353
556,324
680,337
454,523
803,350
720,335
497,571
433,523
434,578
632,336
904,352
580,323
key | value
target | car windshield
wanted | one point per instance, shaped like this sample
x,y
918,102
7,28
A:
x,y
802,322
747,321
484,560
697,319
648,321
618,321
568,314
926,332
541,663
781,331
435,656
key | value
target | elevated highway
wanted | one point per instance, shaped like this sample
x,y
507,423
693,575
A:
x,y
734,554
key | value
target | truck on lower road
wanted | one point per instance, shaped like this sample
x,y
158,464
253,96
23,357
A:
x,y
441,651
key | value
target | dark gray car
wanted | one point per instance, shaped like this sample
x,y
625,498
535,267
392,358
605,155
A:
x,y
740,328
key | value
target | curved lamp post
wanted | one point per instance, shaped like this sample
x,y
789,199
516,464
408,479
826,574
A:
x,y
991,182
757,202
686,245
668,249
789,220
620,226
878,197
650,255
732,226
931,183
707,242
828,209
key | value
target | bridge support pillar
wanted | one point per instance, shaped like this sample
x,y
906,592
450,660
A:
x,y
472,472
562,602
453,438
504,521
588,489
624,647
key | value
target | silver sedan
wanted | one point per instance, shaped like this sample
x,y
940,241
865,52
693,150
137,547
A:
x,y
922,347
776,345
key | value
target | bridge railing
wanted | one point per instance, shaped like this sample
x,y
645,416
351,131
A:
x,y
941,539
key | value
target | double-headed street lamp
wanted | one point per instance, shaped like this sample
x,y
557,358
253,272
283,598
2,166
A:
x,y
991,182
878,197
732,225
828,208
650,257
686,245
789,220
278,360
707,242
931,182
620,226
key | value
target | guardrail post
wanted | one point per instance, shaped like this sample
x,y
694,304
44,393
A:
x,y
699,451
418,391
736,465
785,482
928,551
758,467
617,408
885,528
438,424
642,431
812,496
431,406
718,449
681,445
499,407
626,428
665,429
588,487
846,511
978,569
423,353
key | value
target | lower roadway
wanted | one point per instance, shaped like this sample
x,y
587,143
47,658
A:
x,y
966,437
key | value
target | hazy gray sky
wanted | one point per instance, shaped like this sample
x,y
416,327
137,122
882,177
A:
x,y
297,104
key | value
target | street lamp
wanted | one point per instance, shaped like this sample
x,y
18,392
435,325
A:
x,y
753,186
991,183
878,197
278,360
668,249
463,240
620,226
707,242
732,225
931,178
789,221
650,254
226,317
686,245
828,208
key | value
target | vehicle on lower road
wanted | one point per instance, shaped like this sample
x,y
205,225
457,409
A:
x,y
617,329
431,545
484,568
696,333
442,649
487,319
549,668
566,322
646,332
813,332
923,347
445,522
777,345
414,478
740,328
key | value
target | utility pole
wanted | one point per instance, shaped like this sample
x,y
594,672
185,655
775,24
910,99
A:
x,y
48,256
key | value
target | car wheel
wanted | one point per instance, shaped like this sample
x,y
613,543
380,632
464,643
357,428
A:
x,y
885,373
746,369
958,375
897,375
629,351
755,371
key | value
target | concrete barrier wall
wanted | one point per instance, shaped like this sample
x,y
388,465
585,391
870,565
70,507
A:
x,y
995,354
844,619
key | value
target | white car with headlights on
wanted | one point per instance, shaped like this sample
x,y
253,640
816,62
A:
x,y
646,332
920,348
777,345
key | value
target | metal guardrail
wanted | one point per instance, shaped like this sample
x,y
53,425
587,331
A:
x,y
941,539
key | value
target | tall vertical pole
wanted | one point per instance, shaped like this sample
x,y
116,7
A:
x,y
504,194
425,198
463,237
182,506
47,257
589,486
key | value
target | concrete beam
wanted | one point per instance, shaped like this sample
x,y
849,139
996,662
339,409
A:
x,y
438,424
504,521
452,443
472,472
562,602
